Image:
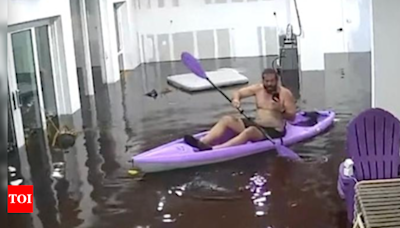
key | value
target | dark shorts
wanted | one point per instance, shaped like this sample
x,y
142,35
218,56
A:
x,y
272,132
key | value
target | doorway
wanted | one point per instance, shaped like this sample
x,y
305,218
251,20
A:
x,y
119,9
32,92
33,78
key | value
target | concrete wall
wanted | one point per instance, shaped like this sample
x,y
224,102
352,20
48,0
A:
x,y
385,55
30,10
209,28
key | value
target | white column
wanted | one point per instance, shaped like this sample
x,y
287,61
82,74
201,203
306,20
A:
x,y
109,40
386,55
73,103
86,47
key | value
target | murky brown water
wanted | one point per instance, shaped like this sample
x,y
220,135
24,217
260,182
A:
x,y
258,191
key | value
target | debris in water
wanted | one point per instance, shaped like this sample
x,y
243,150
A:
x,y
166,90
17,182
133,172
260,213
153,94
178,193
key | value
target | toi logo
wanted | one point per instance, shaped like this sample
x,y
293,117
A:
x,y
20,199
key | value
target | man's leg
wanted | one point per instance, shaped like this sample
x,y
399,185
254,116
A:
x,y
249,134
225,123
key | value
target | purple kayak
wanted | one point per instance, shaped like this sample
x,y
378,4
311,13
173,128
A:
x,y
177,154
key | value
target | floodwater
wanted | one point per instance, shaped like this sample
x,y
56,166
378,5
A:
x,y
254,192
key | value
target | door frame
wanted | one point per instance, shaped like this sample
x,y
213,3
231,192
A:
x,y
57,60
14,96
119,9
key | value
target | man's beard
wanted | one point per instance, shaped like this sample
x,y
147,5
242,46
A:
x,y
270,89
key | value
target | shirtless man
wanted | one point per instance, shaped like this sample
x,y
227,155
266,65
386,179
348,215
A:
x,y
275,105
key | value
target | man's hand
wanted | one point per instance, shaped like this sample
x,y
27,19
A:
x,y
236,103
287,101
278,106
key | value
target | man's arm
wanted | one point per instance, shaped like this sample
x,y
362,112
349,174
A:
x,y
289,106
245,92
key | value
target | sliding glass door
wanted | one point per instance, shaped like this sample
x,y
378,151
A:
x,y
46,70
29,94
32,92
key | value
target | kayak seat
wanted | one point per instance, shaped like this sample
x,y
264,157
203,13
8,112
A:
x,y
306,119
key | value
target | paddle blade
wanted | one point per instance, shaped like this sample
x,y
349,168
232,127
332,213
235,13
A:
x,y
193,64
283,151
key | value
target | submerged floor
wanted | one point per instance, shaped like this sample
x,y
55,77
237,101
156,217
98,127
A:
x,y
120,121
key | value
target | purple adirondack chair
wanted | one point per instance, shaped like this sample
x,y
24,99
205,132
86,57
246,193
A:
x,y
373,139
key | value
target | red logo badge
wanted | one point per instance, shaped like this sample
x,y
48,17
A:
x,y
20,199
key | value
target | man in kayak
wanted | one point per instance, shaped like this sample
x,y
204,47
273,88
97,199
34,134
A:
x,y
275,105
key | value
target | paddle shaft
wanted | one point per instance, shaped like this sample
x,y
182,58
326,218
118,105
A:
x,y
240,110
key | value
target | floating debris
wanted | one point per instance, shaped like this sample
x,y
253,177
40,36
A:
x,y
166,90
133,172
17,182
153,94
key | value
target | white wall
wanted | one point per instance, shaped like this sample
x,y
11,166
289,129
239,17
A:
x,y
130,36
385,55
109,57
28,10
241,18
358,25
321,20
109,41
94,32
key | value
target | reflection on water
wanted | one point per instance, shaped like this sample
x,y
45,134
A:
x,y
257,191
258,187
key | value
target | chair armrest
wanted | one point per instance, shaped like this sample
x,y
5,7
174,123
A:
x,y
346,190
344,182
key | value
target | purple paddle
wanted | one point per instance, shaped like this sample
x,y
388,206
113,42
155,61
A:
x,y
195,67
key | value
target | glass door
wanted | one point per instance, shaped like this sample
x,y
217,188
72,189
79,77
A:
x,y
14,101
15,176
32,92
17,156
34,79
46,71
47,79
28,93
